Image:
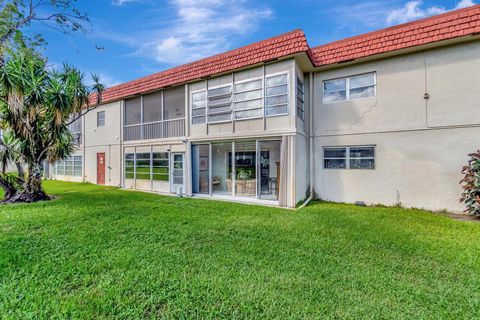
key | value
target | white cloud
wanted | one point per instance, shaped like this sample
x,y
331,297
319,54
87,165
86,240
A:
x,y
413,10
198,29
465,3
204,28
122,2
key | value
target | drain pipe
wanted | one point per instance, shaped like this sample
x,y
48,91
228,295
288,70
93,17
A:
x,y
310,142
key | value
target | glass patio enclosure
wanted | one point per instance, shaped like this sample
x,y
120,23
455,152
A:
x,y
243,169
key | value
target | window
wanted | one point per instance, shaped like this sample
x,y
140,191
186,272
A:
x,y
130,166
147,166
174,100
276,98
101,119
133,111
249,99
349,88
219,103
71,166
199,107
152,107
142,166
349,158
160,170
242,100
300,99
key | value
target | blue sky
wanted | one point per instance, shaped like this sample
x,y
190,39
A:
x,y
141,37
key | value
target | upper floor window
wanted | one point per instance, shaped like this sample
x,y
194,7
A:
x,y
349,88
249,99
276,95
76,129
358,157
101,119
219,103
300,99
242,100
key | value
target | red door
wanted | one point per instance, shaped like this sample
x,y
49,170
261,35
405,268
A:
x,y
101,168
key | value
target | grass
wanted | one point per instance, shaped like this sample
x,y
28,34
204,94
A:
x,y
99,252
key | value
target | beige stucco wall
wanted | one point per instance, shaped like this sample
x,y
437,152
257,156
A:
x,y
106,139
418,162
301,167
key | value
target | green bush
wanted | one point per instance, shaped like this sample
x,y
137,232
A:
x,y
471,184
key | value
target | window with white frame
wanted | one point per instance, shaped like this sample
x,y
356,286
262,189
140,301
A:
x,y
71,166
243,100
300,99
249,99
76,129
199,107
219,103
101,119
356,157
147,166
276,95
349,88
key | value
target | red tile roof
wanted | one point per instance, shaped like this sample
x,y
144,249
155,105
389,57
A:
x,y
446,26
277,47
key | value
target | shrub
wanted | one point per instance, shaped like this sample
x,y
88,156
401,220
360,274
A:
x,y
471,184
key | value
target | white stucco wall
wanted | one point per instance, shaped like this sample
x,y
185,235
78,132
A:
x,y
419,154
106,139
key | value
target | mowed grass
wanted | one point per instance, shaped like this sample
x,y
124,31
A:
x,y
99,252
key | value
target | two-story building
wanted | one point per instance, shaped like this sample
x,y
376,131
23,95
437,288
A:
x,y
387,117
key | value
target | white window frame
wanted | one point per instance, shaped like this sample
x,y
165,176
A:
x,y
347,87
262,98
70,162
348,158
104,118
273,75
220,95
192,108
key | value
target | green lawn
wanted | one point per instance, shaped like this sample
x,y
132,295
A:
x,y
98,252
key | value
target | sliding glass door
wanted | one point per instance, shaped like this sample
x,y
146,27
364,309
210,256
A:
x,y
201,169
222,169
269,169
244,169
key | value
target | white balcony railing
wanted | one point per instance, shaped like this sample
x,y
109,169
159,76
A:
x,y
155,130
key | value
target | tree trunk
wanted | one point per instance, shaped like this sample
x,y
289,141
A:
x,y
32,190
9,190
21,172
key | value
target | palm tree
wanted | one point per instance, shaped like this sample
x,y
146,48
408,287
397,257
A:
x,y
36,106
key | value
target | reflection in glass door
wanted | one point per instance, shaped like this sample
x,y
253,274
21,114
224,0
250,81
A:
x,y
269,168
222,169
201,168
177,171
249,169
245,169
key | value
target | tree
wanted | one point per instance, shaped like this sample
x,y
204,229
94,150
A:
x,y
17,15
37,105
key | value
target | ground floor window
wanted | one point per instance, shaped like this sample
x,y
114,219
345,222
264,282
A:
x,y
239,169
71,166
355,157
147,166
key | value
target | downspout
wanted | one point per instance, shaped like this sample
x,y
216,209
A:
x,y
310,142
